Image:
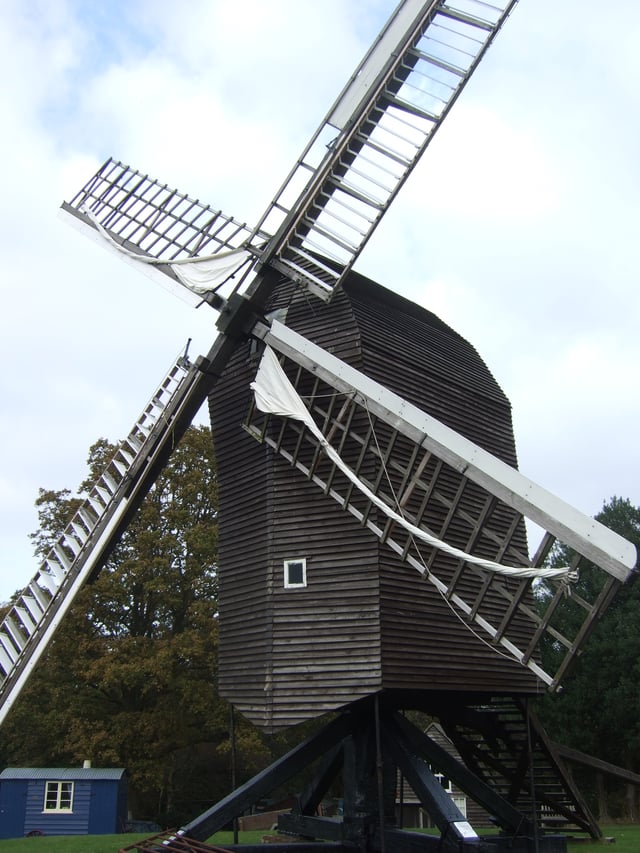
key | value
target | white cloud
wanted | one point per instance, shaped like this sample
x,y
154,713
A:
x,y
481,165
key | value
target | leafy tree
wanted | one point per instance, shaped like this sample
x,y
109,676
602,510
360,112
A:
x,y
597,711
130,678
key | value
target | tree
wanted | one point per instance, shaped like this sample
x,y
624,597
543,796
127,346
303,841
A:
x,y
597,712
130,678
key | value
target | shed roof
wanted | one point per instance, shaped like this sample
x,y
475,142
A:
x,y
62,773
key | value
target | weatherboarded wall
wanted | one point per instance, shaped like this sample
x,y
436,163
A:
x,y
364,621
410,350
245,490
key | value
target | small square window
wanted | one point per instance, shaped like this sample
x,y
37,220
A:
x,y
295,573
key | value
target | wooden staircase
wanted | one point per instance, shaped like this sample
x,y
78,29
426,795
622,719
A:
x,y
495,737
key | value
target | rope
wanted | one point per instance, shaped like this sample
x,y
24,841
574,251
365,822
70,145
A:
x,y
427,573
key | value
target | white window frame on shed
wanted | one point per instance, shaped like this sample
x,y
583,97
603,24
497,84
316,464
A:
x,y
58,796
288,565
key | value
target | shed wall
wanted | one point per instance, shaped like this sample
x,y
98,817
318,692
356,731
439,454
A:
x,y
108,807
63,823
99,804
13,799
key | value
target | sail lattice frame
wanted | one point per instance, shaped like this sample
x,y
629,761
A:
x,y
445,485
374,135
328,207
152,220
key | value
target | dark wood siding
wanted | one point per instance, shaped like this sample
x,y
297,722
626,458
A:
x,y
410,350
326,636
425,644
244,473
287,655
365,621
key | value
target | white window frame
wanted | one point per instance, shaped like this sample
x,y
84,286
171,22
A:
x,y
444,781
57,788
287,565
461,802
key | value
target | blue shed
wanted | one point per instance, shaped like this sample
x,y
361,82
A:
x,y
62,801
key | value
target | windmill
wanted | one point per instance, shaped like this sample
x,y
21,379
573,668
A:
x,y
374,553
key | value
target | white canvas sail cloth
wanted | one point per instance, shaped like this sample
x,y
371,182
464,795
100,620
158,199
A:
x,y
203,275
274,394
200,275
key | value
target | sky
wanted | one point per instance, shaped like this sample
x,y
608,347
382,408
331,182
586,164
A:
x,y
518,227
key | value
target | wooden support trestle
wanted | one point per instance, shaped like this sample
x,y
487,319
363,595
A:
x,y
363,752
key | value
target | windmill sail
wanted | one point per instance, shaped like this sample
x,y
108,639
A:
x,y
88,539
379,451
147,222
338,190
374,135
413,488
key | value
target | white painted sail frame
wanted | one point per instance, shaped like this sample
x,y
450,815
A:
x,y
386,47
593,540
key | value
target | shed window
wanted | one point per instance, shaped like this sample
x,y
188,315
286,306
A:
x,y
58,797
295,573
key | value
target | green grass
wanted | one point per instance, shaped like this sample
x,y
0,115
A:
x,y
627,841
69,843
105,843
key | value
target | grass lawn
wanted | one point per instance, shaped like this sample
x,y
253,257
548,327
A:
x,y
627,840
69,843
105,843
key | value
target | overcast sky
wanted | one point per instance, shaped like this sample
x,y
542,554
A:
x,y
519,227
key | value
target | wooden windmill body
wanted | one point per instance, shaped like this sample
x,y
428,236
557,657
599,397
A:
x,y
373,548
363,621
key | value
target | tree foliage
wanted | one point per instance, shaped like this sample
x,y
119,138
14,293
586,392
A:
x,y
130,678
597,711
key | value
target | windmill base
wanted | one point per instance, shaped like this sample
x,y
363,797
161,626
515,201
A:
x,y
367,746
